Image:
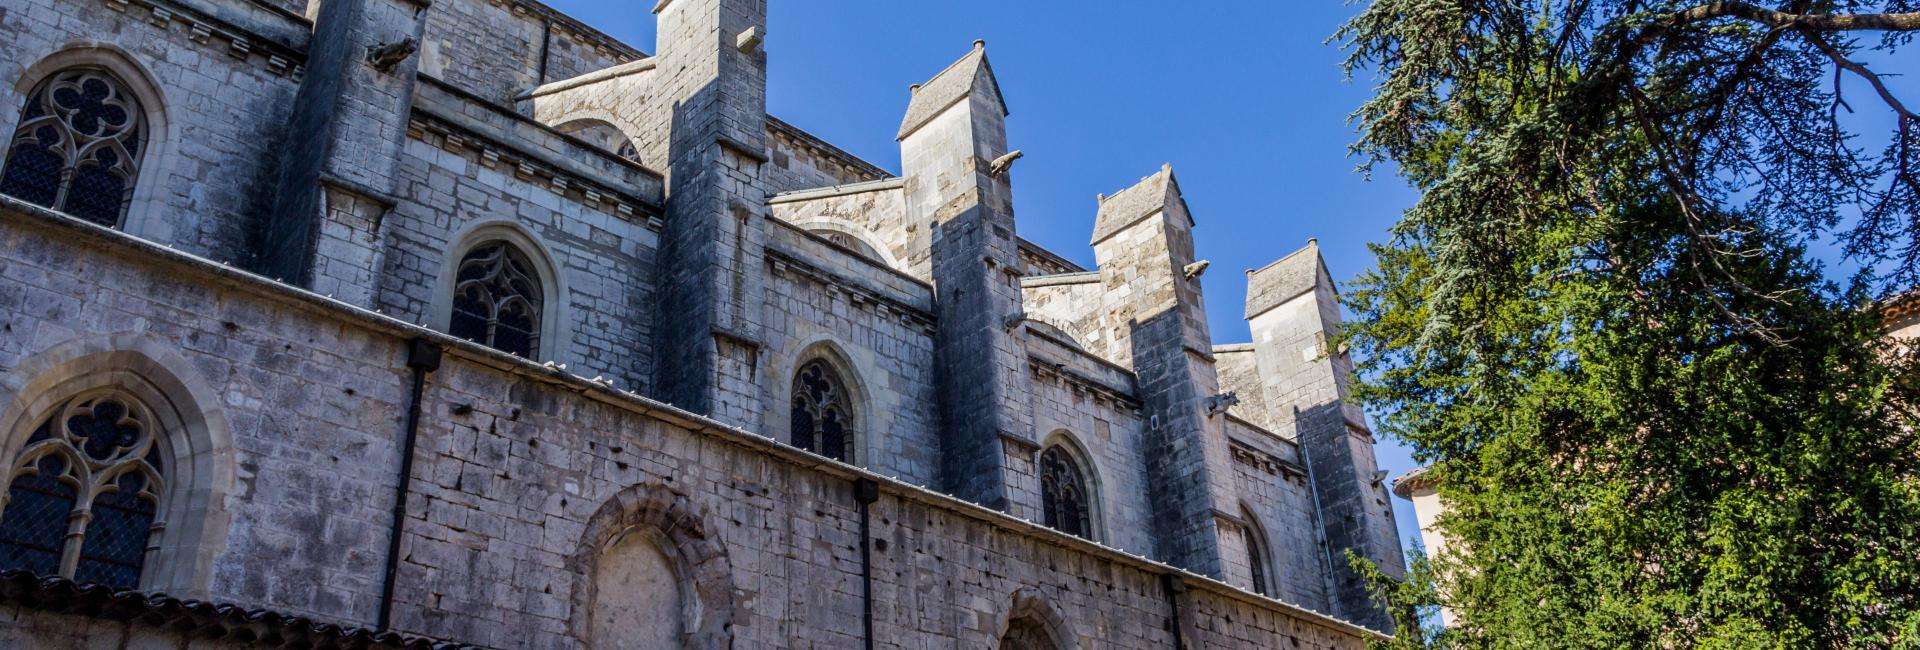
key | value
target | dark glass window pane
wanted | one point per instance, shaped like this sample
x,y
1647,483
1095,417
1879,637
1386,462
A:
x,y
822,418
96,195
73,149
32,173
111,433
1063,493
34,526
802,425
497,300
116,541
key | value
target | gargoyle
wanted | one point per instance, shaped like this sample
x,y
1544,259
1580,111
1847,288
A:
x,y
1195,269
1218,404
384,56
1000,165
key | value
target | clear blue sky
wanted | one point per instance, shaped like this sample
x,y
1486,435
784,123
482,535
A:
x,y
1245,99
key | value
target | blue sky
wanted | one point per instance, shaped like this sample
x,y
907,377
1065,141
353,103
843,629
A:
x,y
1245,99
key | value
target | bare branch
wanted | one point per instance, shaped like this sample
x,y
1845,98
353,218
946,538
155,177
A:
x,y
1840,59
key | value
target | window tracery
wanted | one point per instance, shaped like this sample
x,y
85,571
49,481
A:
x,y
822,413
85,493
1065,502
497,300
77,146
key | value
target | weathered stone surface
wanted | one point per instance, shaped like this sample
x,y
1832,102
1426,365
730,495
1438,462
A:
x,y
701,267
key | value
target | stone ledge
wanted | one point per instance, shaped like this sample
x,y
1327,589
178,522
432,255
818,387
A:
x,y
87,234
590,78
797,196
1082,277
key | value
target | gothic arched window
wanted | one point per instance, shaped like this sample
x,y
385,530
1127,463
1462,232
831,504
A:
x,y
1257,555
85,492
497,299
77,147
1063,493
822,412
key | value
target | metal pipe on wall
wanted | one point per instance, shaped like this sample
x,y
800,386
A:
x,y
865,492
422,357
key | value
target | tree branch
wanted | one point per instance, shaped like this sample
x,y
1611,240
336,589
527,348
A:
x,y
1898,22
1840,59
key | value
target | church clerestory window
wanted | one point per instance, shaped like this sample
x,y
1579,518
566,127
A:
x,y
84,493
497,300
1064,500
822,415
77,146
1257,556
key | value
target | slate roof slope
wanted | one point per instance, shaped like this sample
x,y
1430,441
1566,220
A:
x,y
949,87
1287,277
196,618
1152,194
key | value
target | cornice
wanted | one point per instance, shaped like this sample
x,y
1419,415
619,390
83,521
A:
x,y
188,266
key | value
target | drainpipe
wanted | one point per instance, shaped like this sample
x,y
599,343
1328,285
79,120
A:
x,y
865,492
422,357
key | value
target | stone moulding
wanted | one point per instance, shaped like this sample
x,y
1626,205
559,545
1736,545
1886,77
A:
x,y
21,215
1248,455
1082,277
282,56
1038,256
831,191
432,130
590,78
782,263
1100,391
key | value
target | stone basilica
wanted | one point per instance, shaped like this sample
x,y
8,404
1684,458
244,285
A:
x,y
415,323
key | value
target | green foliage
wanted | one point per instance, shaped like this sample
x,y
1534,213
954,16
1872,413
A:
x,y
1655,421
1413,599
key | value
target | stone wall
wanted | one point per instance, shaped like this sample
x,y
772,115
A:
x,y
311,404
876,326
218,93
872,213
1085,403
798,160
495,48
1073,304
522,474
1240,374
1275,488
602,260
